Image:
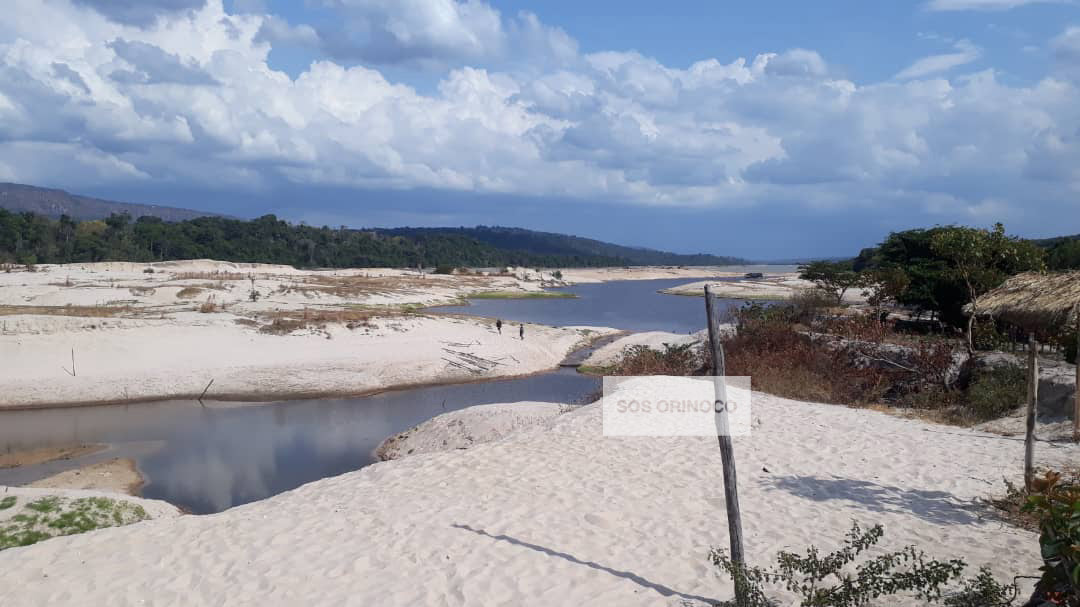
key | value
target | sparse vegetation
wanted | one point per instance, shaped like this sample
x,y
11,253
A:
x,y
685,359
286,321
209,276
522,295
103,311
50,516
847,578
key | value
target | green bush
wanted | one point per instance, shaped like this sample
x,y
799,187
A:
x,y
444,269
994,392
1058,509
839,579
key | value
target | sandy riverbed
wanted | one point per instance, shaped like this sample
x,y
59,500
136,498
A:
x,y
110,332
559,516
778,288
116,475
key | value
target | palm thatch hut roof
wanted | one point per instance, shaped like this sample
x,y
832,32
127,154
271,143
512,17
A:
x,y
1033,300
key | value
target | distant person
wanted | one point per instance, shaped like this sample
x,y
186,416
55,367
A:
x,y
498,325
521,332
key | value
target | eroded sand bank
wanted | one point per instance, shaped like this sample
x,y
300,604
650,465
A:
x,y
560,516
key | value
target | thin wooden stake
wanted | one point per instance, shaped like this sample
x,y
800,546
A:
x,y
205,389
727,452
1032,410
73,362
1076,396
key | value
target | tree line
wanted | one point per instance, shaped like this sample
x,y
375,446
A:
x,y
941,270
29,238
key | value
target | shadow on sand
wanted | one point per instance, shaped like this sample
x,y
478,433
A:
x,y
637,579
933,506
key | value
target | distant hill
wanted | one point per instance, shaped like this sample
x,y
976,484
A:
x,y
157,233
567,247
52,203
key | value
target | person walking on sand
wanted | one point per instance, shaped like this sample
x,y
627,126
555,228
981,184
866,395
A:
x,y
521,331
498,325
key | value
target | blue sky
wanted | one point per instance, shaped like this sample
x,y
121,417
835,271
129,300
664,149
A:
x,y
760,129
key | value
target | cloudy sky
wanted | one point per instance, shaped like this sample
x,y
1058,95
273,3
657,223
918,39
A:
x,y
763,129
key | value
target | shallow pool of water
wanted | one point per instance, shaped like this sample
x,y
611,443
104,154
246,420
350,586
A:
x,y
210,458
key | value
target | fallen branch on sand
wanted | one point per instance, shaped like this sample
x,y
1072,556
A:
x,y
470,362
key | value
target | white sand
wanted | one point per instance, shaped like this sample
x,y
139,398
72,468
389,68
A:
x,y
558,517
469,427
780,287
592,275
155,359
116,475
156,509
153,344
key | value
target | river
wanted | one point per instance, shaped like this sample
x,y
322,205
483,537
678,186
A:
x,y
210,458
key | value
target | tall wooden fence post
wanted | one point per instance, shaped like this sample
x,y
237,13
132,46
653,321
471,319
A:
x,y
1076,395
1032,411
727,452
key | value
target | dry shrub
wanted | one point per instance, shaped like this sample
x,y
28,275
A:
x,y
209,276
283,326
807,304
686,359
286,321
781,361
80,311
208,306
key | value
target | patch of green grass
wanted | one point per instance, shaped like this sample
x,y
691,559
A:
x,y
522,295
51,516
7,502
593,370
45,504
994,392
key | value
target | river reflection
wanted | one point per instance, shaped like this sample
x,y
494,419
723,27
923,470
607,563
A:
x,y
211,458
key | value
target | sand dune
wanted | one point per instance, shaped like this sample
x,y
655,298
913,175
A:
x,y
139,336
558,517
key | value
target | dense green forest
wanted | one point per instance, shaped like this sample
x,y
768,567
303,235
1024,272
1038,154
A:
x,y
28,238
548,243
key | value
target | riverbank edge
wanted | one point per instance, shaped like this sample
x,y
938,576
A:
x,y
257,398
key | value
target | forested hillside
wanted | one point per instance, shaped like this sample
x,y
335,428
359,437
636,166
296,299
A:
x,y
53,203
548,243
29,238
1062,253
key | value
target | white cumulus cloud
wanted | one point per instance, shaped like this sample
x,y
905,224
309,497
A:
x,y
966,52
192,99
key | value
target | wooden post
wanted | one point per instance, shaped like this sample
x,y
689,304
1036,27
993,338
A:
x,y
727,452
1032,410
1076,396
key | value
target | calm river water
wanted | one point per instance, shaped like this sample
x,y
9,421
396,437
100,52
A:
x,y
211,458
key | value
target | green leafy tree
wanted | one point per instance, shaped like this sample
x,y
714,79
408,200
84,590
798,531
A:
x,y
833,277
981,260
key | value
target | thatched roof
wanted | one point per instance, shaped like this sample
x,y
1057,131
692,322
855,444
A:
x,y
1033,300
